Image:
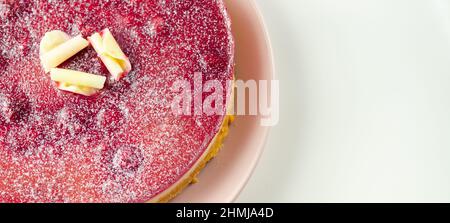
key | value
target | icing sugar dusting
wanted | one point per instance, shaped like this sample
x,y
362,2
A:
x,y
122,145
4,9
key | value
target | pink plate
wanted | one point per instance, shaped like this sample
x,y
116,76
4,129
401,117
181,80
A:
x,y
224,177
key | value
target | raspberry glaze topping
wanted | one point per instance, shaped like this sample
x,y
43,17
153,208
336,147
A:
x,y
124,144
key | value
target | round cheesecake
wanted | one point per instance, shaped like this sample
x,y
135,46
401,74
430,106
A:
x,y
123,144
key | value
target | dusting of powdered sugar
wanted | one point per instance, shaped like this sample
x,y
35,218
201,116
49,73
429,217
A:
x,y
123,144
4,10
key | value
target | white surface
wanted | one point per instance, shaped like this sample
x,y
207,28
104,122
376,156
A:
x,y
365,108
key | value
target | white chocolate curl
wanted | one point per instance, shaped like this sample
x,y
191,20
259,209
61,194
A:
x,y
51,40
62,52
86,91
110,53
77,78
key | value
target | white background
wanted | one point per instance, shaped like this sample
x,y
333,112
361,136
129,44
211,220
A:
x,y
365,102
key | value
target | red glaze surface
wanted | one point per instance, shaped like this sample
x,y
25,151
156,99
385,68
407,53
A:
x,y
124,144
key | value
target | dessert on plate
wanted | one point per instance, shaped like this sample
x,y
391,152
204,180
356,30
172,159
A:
x,y
85,97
